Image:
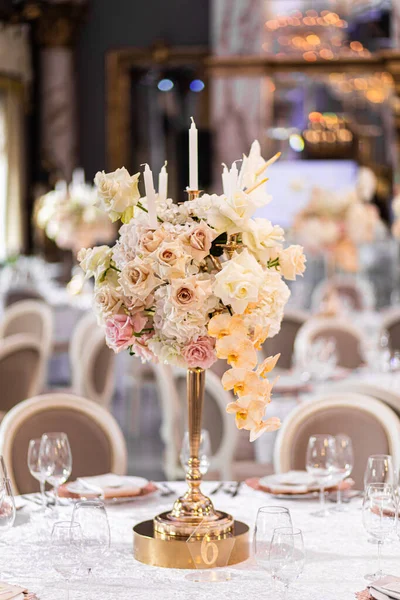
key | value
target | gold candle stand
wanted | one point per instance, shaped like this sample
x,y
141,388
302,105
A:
x,y
164,541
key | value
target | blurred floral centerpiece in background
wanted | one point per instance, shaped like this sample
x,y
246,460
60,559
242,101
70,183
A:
x,y
334,224
69,216
196,281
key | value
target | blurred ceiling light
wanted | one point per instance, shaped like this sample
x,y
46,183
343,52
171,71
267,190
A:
x,y
310,56
356,46
313,39
197,85
326,54
296,142
165,85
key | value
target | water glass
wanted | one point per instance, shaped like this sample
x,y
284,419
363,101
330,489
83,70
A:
x,y
379,517
344,462
268,519
91,516
379,470
66,549
320,463
204,451
287,556
7,506
34,468
55,459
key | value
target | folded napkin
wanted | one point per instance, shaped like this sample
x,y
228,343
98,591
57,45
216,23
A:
x,y
294,483
11,592
108,486
387,588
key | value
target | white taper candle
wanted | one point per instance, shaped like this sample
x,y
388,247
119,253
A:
x,y
193,157
163,183
151,196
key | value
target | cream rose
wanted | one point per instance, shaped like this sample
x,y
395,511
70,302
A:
x,y
137,279
239,281
170,260
238,208
292,262
190,293
95,262
197,241
107,301
117,191
261,237
150,240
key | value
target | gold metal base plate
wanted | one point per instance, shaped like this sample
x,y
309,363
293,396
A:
x,y
153,548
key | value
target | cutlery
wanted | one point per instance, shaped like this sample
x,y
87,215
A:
x,y
33,499
167,491
231,488
218,488
236,490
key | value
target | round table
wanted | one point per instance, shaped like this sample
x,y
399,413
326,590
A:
x,y
337,555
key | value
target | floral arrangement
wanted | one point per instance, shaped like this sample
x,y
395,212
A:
x,y
69,216
335,223
207,282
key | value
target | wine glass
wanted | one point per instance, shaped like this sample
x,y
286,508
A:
x,y
92,517
7,506
66,549
320,463
344,462
204,451
268,519
286,556
34,468
379,470
379,517
55,460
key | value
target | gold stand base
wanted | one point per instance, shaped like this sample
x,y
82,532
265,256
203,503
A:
x,y
158,550
216,524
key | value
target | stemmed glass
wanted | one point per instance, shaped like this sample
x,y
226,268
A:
x,y
66,549
379,517
7,506
379,470
268,519
34,468
320,463
344,462
55,460
92,518
287,556
204,451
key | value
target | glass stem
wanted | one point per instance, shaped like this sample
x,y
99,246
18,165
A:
x,y
286,592
56,498
379,556
42,493
339,498
322,499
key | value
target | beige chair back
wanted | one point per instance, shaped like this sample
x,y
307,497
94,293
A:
x,y
96,440
283,342
358,292
372,426
32,317
221,428
391,324
21,366
349,341
92,362
14,295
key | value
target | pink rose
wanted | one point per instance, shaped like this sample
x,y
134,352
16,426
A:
x,y
120,330
200,353
141,349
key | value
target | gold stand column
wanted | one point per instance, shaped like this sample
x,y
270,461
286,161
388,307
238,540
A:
x,y
194,511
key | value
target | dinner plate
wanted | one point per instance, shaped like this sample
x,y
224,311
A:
x,y
96,485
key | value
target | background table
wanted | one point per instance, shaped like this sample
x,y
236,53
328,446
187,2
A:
x,y
337,555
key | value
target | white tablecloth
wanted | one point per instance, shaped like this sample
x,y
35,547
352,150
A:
x,y
337,554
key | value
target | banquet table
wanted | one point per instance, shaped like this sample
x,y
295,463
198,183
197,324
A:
x,y
337,555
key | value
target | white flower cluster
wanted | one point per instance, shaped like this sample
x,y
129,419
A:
x,y
69,216
337,222
158,289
